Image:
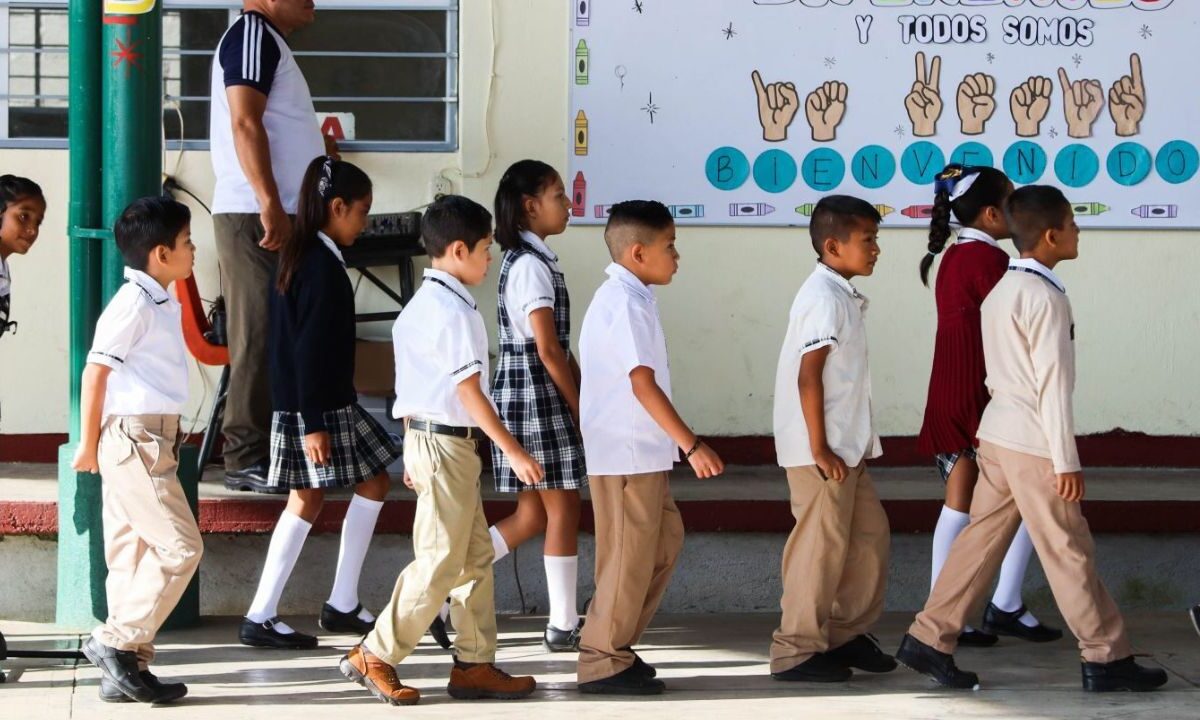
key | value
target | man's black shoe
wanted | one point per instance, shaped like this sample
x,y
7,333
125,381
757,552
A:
x,y
916,655
863,653
1121,675
976,638
163,692
119,667
265,635
818,668
627,682
252,478
335,621
999,622
555,640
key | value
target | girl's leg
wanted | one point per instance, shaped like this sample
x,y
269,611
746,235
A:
x,y
561,555
529,520
287,541
955,516
357,530
1012,576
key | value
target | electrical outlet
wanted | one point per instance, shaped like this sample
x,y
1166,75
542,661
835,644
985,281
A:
x,y
440,185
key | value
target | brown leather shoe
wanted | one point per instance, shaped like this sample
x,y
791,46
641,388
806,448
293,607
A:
x,y
485,681
378,676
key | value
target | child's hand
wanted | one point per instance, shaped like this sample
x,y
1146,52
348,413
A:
x,y
316,447
705,462
85,459
1070,486
526,468
408,483
831,466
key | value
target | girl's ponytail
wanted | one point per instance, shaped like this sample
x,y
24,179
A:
x,y
939,219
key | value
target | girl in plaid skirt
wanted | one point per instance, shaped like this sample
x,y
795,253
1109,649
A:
x,y
536,386
320,437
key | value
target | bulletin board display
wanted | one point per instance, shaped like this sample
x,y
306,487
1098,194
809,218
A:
x,y
747,112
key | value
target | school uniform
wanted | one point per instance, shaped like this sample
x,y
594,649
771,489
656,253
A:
x,y
440,341
1027,437
311,353
639,531
152,544
835,561
5,297
526,397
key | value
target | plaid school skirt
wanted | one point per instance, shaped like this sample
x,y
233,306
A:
x,y
359,449
946,461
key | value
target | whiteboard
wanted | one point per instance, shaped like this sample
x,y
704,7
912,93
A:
x,y
747,112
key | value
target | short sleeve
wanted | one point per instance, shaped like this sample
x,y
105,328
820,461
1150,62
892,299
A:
x,y
817,326
249,54
119,328
459,349
635,338
530,286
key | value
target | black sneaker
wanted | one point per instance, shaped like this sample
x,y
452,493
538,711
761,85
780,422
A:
x,y
120,668
555,640
863,653
265,635
1194,614
1121,675
999,622
163,692
818,668
627,682
917,656
977,638
253,479
335,621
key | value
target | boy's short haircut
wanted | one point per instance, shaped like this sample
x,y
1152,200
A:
x,y
454,217
836,216
627,218
147,223
1034,209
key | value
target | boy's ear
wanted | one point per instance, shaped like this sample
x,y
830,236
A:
x,y
831,246
637,252
457,250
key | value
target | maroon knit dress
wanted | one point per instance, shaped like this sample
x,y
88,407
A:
x,y
957,394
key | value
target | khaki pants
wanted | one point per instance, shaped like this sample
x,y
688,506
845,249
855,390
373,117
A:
x,y
247,276
1014,486
834,564
152,545
453,555
639,534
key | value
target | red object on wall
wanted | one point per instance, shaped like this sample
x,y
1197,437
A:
x,y
578,195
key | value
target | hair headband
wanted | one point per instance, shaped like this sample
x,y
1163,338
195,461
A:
x,y
325,182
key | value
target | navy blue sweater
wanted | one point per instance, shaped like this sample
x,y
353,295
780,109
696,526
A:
x,y
311,346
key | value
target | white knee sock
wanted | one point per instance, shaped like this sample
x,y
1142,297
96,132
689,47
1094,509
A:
x,y
286,543
1012,575
498,545
561,580
357,530
950,523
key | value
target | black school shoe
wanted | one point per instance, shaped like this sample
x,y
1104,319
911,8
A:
x,y
1194,614
335,621
818,668
265,635
977,638
120,668
863,653
629,681
640,665
1121,675
919,657
252,478
555,640
163,692
998,622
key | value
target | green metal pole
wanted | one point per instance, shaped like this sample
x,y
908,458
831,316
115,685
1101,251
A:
x,y
81,570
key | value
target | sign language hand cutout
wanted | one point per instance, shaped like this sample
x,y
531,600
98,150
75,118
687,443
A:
x,y
777,106
824,108
923,102
976,102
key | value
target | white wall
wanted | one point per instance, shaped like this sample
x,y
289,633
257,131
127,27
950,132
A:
x,y
1137,308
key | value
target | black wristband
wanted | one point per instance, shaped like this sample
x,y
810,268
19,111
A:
x,y
695,447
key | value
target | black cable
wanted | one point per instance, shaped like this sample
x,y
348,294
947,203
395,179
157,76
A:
x,y
170,185
517,577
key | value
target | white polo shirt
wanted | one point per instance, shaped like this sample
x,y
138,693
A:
x,y
253,53
529,286
439,340
140,336
827,311
621,331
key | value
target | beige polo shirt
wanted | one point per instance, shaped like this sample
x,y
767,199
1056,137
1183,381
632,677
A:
x,y
1029,349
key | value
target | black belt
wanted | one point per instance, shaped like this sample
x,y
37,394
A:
x,y
467,433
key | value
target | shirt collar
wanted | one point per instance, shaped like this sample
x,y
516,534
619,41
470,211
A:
x,y
966,235
622,274
539,245
157,293
333,248
1031,265
451,283
834,277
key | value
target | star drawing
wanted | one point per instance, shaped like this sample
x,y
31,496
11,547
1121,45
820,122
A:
x,y
650,108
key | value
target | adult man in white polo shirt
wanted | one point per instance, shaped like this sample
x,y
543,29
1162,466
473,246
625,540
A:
x,y
264,132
